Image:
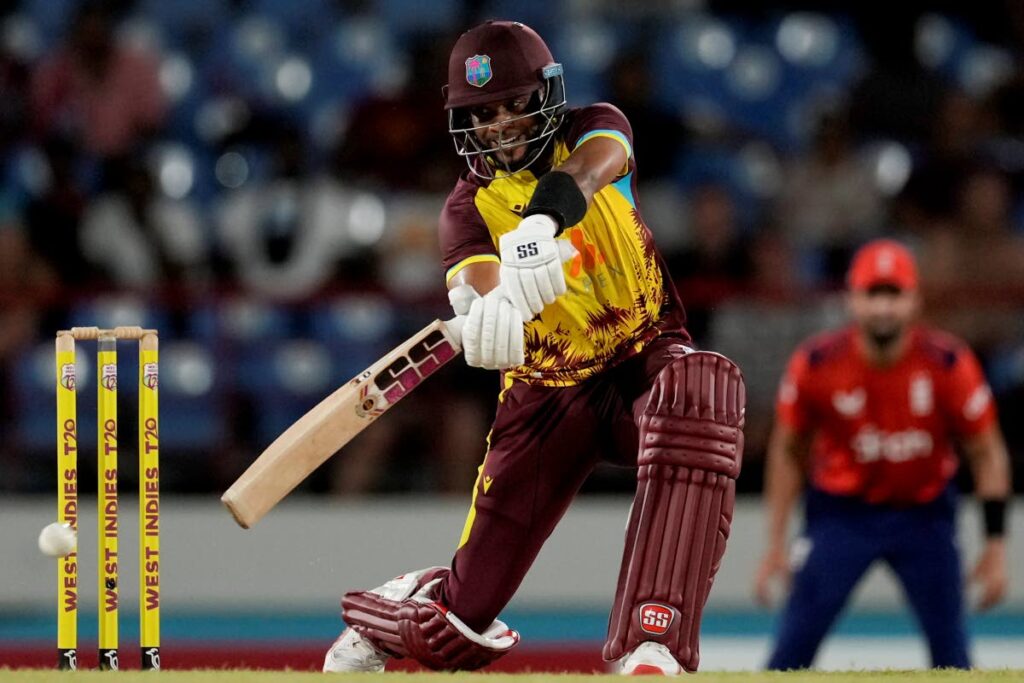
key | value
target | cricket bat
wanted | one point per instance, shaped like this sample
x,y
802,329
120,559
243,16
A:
x,y
332,423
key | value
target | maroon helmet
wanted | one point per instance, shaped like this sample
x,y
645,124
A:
x,y
496,61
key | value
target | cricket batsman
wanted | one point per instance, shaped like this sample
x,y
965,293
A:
x,y
868,417
563,291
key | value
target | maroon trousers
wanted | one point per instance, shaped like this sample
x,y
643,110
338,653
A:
x,y
543,444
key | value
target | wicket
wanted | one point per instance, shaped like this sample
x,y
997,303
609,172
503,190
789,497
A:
x,y
107,501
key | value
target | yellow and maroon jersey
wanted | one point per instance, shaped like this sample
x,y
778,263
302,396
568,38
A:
x,y
619,296
885,434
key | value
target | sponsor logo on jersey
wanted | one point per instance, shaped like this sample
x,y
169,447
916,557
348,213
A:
x,y
478,70
588,257
488,480
849,403
978,402
922,396
655,619
871,444
67,376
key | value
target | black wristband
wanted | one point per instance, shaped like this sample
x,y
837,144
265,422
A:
x,y
995,517
558,195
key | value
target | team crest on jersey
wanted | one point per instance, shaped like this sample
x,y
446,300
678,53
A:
x,y
849,403
478,70
67,376
922,397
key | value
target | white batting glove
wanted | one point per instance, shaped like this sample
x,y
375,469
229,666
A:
x,y
531,264
492,337
461,298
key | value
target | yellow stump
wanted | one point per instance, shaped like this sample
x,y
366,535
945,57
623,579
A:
x,y
149,502
106,428
67,502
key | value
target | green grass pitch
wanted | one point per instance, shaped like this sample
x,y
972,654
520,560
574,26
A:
x,y
945,676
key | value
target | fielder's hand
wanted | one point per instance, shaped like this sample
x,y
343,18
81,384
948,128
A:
x,y
492,337
774,565
990,573
531,264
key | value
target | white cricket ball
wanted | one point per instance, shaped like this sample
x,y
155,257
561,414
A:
x,y
57,539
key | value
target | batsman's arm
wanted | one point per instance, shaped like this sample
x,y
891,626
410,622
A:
x,y
594,164
784,480
990,464
483,277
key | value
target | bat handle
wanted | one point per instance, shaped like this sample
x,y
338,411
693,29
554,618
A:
x,y
454,329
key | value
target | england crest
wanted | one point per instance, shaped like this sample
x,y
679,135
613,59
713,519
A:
x,y
478,70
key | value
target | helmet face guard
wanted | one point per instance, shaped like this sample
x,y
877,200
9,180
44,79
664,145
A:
x,y
547,104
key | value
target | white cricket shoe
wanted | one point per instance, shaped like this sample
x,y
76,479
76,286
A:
x,y
351,653
650,659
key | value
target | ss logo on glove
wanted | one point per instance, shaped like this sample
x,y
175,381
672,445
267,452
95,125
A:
x,y
527,250
531,264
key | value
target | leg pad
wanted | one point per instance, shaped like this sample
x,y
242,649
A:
x,y
691,445
419,627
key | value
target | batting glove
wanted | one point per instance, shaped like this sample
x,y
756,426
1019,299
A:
x,y
492,337
531,264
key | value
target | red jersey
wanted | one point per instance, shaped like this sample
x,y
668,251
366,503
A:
x,y
884,434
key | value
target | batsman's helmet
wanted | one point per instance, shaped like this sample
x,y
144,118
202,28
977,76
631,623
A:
x,y
495,61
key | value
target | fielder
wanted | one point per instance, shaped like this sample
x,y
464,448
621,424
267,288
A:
x,y
869,415
563,290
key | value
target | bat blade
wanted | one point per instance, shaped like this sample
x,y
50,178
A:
x,y
333,422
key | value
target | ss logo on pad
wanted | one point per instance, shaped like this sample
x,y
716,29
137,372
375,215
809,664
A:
x,y
655,619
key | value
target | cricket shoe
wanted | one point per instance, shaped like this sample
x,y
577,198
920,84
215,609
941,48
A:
x,y
351,653
650,659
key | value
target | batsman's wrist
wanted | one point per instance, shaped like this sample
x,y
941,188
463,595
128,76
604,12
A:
x,y
541,222
558,196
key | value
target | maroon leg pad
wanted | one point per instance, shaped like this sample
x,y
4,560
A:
x,y
435,642
691,446
424,631
376,618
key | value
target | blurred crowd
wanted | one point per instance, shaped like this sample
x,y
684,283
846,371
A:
x,y
261,179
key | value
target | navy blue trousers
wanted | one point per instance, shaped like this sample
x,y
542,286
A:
x,y
846,536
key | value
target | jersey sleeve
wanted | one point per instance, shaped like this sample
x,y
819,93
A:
x,y
463,234
967,397
792,403
602,120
